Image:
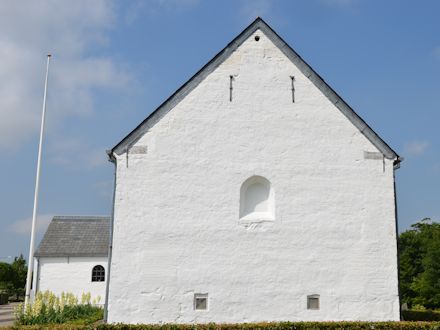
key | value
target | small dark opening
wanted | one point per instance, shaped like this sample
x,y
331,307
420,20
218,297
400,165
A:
x,y
257,38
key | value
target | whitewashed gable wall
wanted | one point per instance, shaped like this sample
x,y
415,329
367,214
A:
x,y
176,224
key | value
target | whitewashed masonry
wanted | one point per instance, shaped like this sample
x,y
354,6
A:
x,y
247,196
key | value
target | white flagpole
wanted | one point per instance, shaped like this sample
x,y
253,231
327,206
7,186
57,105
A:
x,y
37,186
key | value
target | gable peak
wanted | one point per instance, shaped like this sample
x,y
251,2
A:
x,y
292,55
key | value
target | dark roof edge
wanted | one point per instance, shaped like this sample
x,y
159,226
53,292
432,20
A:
x,y
80,217
187,87
63,255
332,95
305,68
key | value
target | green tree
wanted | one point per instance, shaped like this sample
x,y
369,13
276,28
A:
x,y
419,257
20,273
6,278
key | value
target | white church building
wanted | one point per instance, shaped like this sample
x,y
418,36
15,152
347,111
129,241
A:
x,y
72,257
253,193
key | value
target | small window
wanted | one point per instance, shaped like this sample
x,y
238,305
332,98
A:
x,y
200,301
98,274
313,301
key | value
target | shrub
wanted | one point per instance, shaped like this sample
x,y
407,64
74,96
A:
x,y
421,315
48,308
282,326
251,326
3,298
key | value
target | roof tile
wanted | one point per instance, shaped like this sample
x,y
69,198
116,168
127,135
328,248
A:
x,y
75,236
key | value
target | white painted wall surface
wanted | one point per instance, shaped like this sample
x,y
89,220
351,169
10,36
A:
x,y
73,274
177,229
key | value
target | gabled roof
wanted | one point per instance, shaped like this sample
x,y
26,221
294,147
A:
x,y
75,236
184,90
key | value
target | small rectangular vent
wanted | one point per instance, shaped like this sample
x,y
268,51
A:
x,y
373,155
313,301
137,150
200,301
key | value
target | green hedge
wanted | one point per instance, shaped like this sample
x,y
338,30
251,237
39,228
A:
x,y
421,315
250,326
283,326
3,298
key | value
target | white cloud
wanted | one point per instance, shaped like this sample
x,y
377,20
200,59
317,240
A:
x,y
75,154
251,9
72,31
23,227
136,9
416,148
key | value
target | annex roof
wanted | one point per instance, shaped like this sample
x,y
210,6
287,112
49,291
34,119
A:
x,y
75,236
259,23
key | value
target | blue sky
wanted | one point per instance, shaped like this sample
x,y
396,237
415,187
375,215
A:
x,y
115,62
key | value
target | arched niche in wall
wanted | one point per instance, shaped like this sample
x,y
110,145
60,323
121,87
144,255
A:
x,y
257,200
